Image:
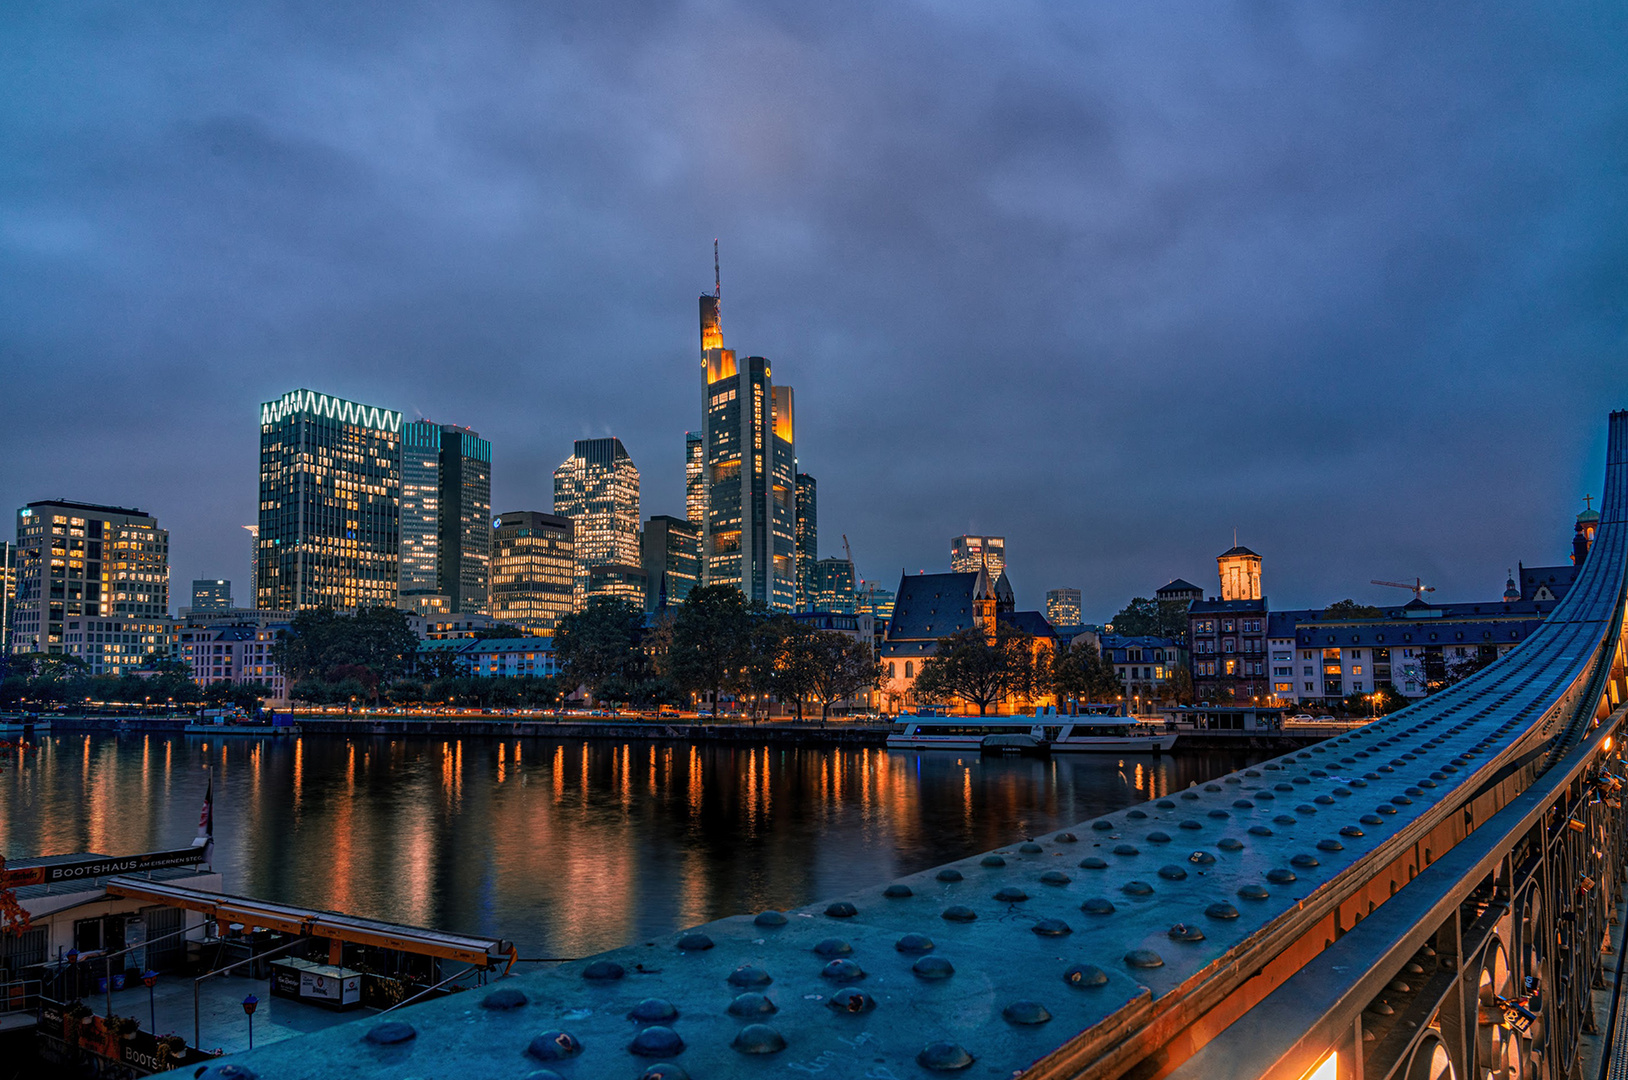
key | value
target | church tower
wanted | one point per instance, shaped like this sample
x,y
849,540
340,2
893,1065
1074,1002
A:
x,y
1588,523
1240,571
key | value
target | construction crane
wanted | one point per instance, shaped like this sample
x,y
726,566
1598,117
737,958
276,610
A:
x,y
847,549
1418,588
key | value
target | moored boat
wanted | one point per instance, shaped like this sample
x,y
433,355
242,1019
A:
x,y
1058,733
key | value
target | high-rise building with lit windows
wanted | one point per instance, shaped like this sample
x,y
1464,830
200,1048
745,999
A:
x,y
211,594
748,536
93,582
672,561
695,489
330,502
446,510
597,487
969,554
534,570
833,586
1063,607
807,533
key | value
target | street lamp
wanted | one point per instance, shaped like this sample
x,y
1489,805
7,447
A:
x,y
249,1004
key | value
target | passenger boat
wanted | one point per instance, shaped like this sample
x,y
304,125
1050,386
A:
x,y
1059,733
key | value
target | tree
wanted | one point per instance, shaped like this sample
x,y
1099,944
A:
x,y
503,630
600,644
710,639
1178,688
322,644
1350,609
837,667
1151,618
1081,674
967,666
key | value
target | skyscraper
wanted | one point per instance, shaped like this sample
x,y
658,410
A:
x,y
972,553
92,582
672,560
808,540
254,563
330,498
446,510
695,488
1063,607
597,487
749,470
534,569
211,594
833,586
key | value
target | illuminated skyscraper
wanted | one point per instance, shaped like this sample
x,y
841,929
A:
x,y
1063,607
672,561
597,487
969,554
330,499
808,537
749,469
695,488
254,563
211,594
446,510
534,570
833,586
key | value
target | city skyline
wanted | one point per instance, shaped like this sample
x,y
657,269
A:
x,y
1319,339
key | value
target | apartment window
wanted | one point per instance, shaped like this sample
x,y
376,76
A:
x,y
1356,669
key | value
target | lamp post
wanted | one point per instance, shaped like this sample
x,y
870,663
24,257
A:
x,y
150,977
249,1004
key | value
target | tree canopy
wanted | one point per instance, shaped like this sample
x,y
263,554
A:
x,y
981,673
1350,609
1151,618
1082,674
711,640
372,646
598,647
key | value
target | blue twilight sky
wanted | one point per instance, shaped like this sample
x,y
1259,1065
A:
x,y
1109,279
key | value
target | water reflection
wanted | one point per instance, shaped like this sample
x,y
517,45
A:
x,y
567,848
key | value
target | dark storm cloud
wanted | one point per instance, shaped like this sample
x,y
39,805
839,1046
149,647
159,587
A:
x,y
1110,280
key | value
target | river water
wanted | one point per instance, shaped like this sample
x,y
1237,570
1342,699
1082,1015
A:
x,y
567,847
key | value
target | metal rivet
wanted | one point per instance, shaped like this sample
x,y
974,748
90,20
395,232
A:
x,y
1304,861
991,861
390,1033
1259,830
1342,791
1426,784
1136,888
1190,795
1280,876
842,971
1011,895
1219,814
1031,848
751,1004
695,942
661,1070
1251,772
1191,824
1351,830
1158,838
1221,910
758,1039
944,1057
747,975
654,1011
554,1046
1127,849
775,918
1093,862
1143,958
1264,796
1243,804
1184,932
1202,858
852,1001
959,913
1026,1012
1097,905
1085,976
1305,808
1228,843
914,944
1136,815
834,947
1102,825
1324,800
1371,819
1330,845
1212,787
898,892
229,1071
1052,928
1054,877
1385,808
1165,804
1173,873
1066,838
933,967
657,1041
949,875
603,971
1253,892
1283,787
841,910
1285,819
505,999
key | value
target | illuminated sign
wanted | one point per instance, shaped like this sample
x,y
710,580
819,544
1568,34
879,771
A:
x,y
349,412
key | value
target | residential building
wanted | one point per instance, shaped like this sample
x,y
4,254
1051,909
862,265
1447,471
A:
x,y
234,653
517,658
1228,634
832,586
671,562
211,594
748,538
330,498
597,487
534,570
1288,684
1144,666
1063,607
695,488
446,510
808,540
92,581
968,553
450,627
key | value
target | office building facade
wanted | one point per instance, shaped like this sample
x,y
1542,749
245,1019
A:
x,y
446,511
330,499
695,488
969,554
672,561
534,569
748,537
93,582
211,594
833,586
597,487
808,540
1063,607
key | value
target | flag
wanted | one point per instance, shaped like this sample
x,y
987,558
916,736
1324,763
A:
x,y
206,816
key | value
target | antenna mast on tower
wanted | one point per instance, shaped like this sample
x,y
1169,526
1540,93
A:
x,y
717,277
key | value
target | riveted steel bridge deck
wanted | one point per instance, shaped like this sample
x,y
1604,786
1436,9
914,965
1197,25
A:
x,y
1380,897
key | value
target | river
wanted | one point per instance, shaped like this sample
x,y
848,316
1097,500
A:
x,y
566,847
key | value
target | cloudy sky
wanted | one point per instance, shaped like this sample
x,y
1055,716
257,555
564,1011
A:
x,y
1112,280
